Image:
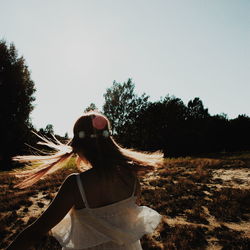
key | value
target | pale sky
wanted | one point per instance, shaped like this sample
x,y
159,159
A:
x,y
75,49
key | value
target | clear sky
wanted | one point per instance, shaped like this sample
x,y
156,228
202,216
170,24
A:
x,y
75,49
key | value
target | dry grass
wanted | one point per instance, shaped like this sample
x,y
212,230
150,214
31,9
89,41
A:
x,y
230,204
230,239
205,205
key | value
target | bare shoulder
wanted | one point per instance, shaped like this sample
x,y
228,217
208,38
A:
x,y
88,175
71,178
69,183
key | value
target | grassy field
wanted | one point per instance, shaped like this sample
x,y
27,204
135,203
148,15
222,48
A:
x,y
205,203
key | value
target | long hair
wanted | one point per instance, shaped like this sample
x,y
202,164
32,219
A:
x,y
93,146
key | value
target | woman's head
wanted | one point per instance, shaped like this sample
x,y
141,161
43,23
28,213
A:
x,y
88,128
91,122
92,138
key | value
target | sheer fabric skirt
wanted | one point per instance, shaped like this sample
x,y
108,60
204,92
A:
x,y
113,246
118,226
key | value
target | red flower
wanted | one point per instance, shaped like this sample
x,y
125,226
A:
x,y
99,122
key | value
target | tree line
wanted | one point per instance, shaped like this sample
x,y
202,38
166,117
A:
x,y
170,125
167,124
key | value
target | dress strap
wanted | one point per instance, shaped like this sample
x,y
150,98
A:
x,y
134,186
79,184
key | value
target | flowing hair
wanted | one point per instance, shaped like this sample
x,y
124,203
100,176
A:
x,y
93,145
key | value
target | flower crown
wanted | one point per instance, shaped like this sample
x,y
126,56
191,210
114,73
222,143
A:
x,y
83,134
98,123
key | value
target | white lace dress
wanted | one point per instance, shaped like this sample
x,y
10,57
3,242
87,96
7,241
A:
x,y
118,226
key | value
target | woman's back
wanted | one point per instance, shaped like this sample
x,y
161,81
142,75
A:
x,y
106,223
104,190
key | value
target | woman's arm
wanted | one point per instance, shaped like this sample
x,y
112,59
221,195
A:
x,y
56,211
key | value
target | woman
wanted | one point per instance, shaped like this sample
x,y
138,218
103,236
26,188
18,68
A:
x,y
97,208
